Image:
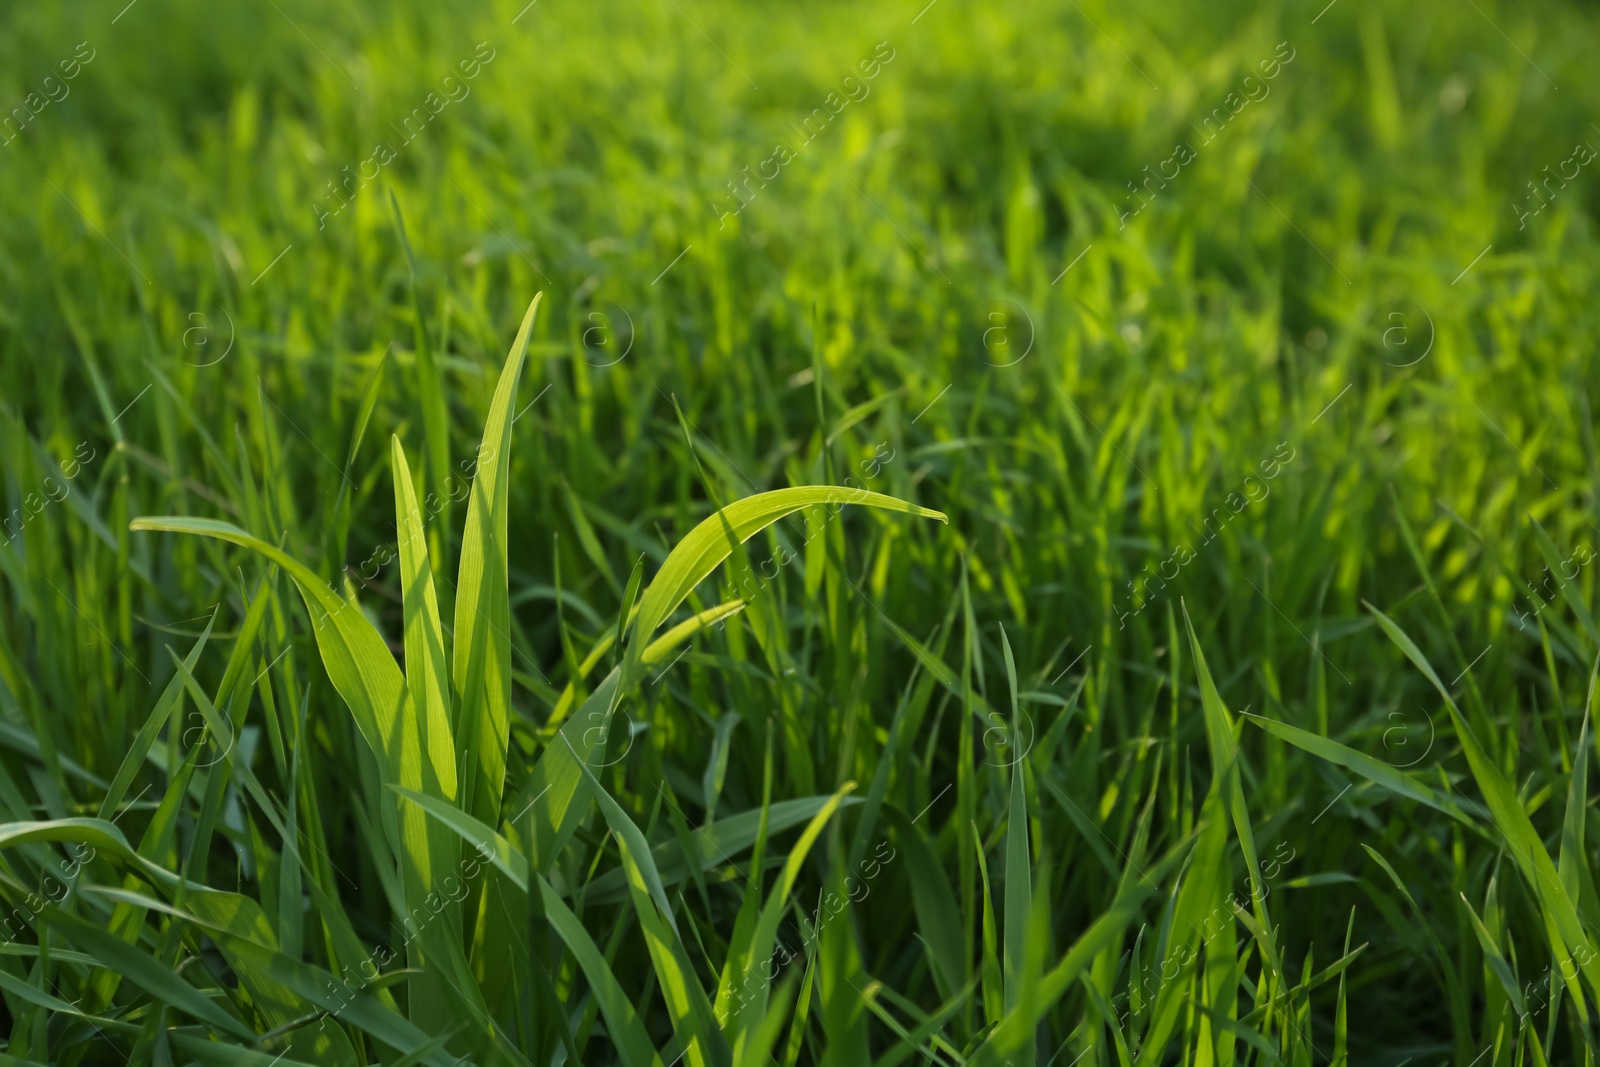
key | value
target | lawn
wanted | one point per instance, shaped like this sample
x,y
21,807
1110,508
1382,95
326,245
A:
x,y
1021,535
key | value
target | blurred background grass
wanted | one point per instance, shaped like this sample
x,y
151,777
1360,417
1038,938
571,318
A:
x,y
1344,270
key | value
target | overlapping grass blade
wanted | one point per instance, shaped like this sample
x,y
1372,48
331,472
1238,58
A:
x,y
1464,811
481,660
708,544
1557,909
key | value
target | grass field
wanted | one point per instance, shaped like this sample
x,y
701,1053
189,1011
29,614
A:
x,y
1011,535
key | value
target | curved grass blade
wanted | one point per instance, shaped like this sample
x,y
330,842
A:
x,y
494,848
365,674
1497,961
1225,762
1374,770
99,834
713,540
654,653
354,653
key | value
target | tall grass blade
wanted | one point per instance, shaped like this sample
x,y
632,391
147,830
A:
x,y
481,660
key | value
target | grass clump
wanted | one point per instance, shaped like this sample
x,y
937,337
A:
x,y
369,695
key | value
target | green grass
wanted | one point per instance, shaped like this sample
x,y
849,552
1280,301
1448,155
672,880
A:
x,y
383,683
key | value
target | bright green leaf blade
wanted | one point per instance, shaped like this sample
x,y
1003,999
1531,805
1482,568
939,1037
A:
x,y
427,676
482,654
707,545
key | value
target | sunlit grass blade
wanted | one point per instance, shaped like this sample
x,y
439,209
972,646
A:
x,y
427,675
707,545
1224,763
481,658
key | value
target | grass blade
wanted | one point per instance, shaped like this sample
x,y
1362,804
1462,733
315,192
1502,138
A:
x,y
482,655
